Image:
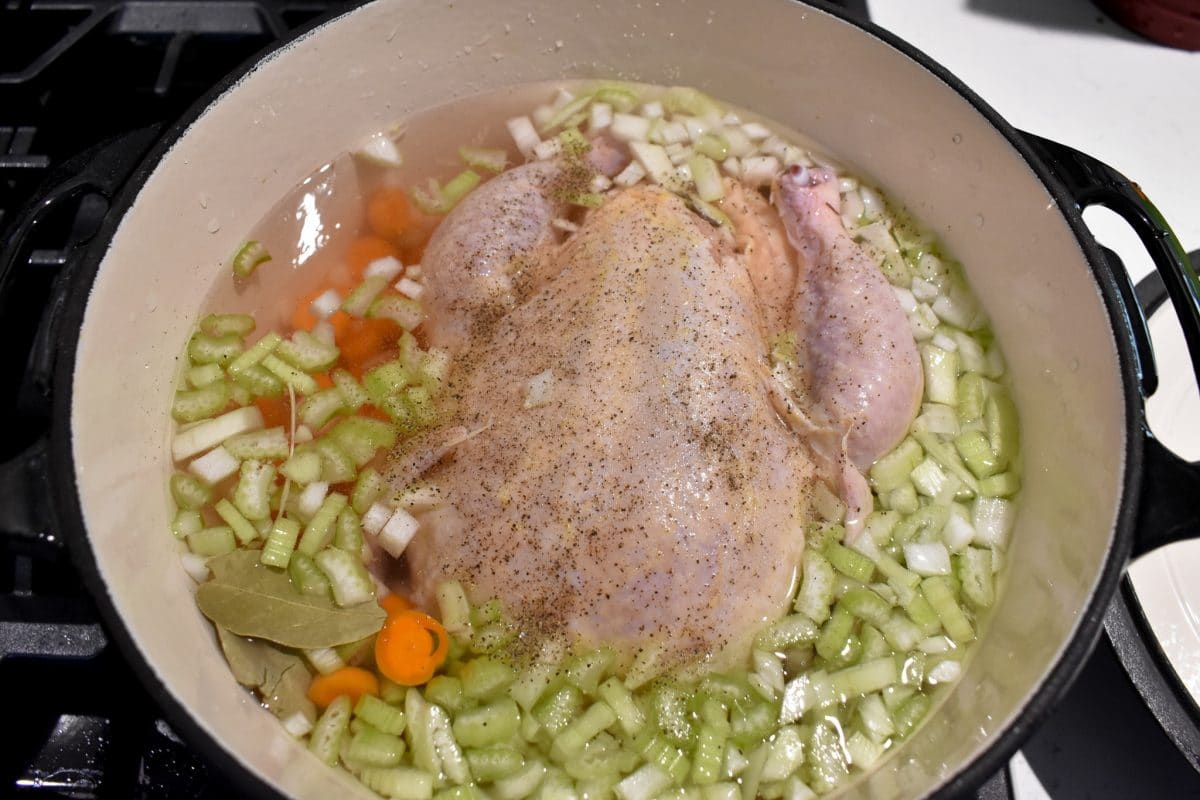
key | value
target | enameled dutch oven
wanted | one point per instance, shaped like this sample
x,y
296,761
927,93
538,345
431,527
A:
x,y
1098,486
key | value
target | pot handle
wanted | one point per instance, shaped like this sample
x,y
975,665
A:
x,y
1170,485
26,510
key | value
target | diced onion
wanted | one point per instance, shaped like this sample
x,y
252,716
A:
x,y
524,135
397,532
376,517
927,559
387,268
214,466
410,288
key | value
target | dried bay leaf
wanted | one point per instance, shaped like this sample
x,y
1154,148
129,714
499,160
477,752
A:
x,y
280,678
251,599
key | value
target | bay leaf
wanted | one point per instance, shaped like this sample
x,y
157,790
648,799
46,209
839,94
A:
x,y
252,599
280,679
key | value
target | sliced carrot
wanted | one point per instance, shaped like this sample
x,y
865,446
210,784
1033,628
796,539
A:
x,y
393,604
351,681
389,213
275,411
411,647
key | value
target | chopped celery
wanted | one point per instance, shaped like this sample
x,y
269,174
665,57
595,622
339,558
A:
x,y
301,381
258,380
374,748
368,488
241,527
938,592
791,631
221,350
277,551
486,677
189,493
306,576
398,783
348,534
248,257
621,701
319,407
306,352
215,541
252,495
191,405
849,563
271,443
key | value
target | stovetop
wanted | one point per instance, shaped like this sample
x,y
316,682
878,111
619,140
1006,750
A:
x,y
75,74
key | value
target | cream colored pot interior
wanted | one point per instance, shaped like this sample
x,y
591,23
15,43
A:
x,y
870,105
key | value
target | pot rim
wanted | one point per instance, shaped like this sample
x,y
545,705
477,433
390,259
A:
x,y
968,775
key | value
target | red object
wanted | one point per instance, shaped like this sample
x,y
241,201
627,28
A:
x,y
1175,23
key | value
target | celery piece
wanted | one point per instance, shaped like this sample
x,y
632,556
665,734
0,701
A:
x,y
348,533
971,397
221,350
185,522
307,576
215,541
1000,418
319,407
302,467
975,573
404,311
257,352
816,588
374,748
353,395
203,375
976,451
320,528
621,701
398,783
556,709
892,470
258,380
301,381
224,324
329,729
521,784
485,677
241,527
483,158
188,492
252,495
864,678
336,464
277,551
385,381
791,631
360,299
191,405
305,351
1004,484
362,437
587,669
446,691
495,723
269,444
849,563
909,713
367,489
453,606
347,575
867,606
492,763
940,594
569,743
